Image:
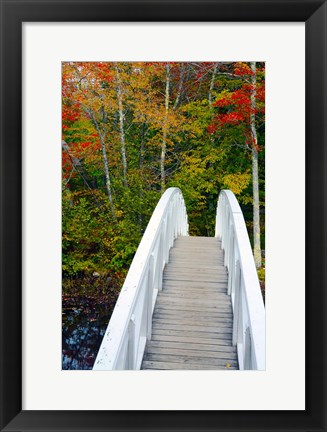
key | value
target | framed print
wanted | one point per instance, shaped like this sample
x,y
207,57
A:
x,y
39,40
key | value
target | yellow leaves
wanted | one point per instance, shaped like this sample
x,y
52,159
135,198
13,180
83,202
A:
x,y
224,94
119,213
237,182
193,167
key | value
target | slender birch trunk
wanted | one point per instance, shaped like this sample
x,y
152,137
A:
x,y
255,173
107,174
212,83
165,132
180,86
141,164
121,124
105,164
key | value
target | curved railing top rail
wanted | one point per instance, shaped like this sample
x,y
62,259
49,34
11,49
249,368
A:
x,y
123,312
255,306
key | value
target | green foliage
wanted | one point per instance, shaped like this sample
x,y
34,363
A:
x,y
91,240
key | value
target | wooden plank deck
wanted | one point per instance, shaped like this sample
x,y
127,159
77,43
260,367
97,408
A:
x,y
192,320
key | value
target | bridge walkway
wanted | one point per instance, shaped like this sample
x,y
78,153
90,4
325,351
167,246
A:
x,y
193,320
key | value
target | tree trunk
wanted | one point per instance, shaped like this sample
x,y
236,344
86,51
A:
x,y
212,83
255,173
121,125
141,164
180,86
165,132
105,164
107,174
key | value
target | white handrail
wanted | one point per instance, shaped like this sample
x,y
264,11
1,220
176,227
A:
x,y
130,325
243,283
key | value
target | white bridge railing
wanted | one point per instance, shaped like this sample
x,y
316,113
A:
x,y
131,322
243,283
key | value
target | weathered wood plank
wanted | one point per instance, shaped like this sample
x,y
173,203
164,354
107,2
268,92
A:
x,y
214,311
201,328
198,273
197,240
208,250
202,267
167,288
192,322
184,247
220,356
212,296
165,300
198,252
182,263
210,303
195,245
214,319
194,284
188,261
198,299
164,362
194,277
187,359
155,365
193,308
189,249
193,334
188,280
211,316
196,292
192,346
191,316
194,263
200,258
190,339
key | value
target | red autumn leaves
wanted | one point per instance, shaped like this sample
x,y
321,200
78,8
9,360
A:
x,y
234,106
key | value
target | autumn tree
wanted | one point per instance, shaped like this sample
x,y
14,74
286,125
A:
x,y
241,111
87,91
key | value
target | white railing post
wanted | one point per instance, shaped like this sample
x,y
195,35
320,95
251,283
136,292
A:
x,y
237,309
243,283
131,342
130,325
230,265
149,296
160,262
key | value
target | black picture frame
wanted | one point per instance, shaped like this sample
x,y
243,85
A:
x,y
13,14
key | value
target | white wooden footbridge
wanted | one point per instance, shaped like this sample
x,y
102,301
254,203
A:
x,y
188,302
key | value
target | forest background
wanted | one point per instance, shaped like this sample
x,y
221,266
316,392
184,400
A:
x,y
130,131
